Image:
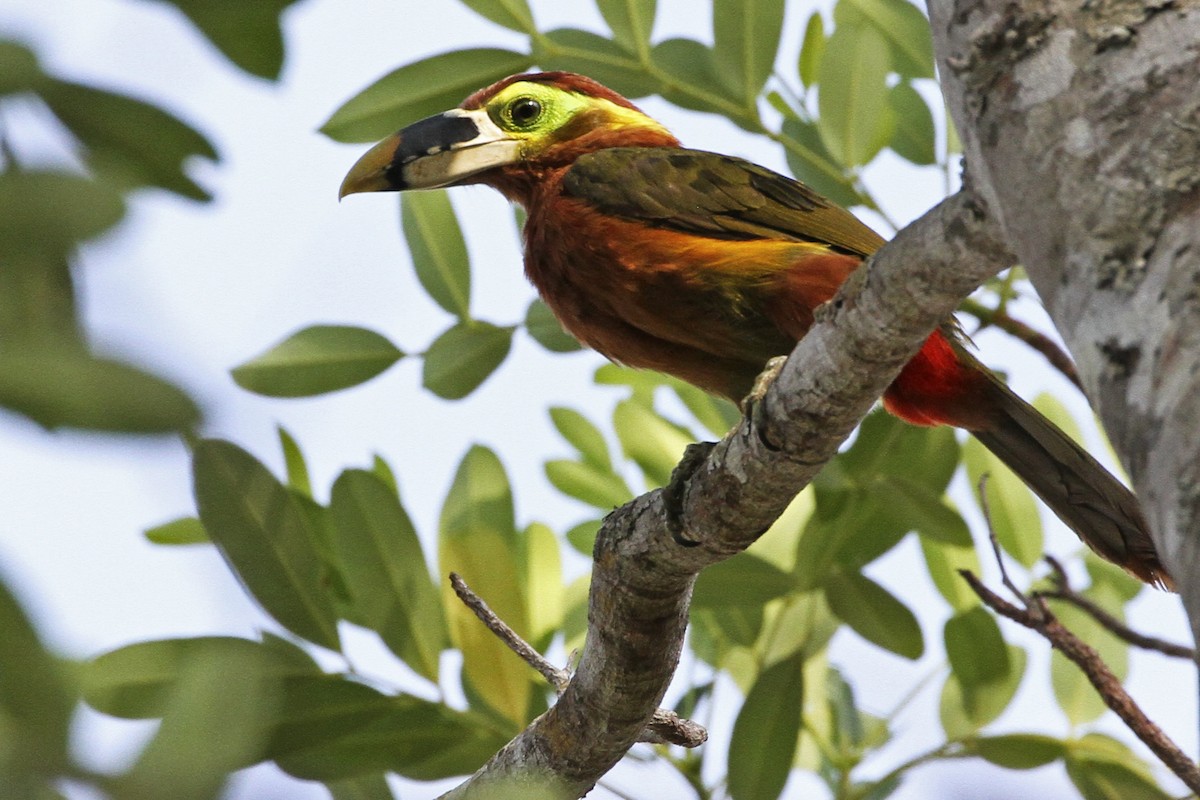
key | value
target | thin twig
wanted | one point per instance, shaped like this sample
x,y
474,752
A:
x,y
1039,341
1037,617
1067,594
665,727
986,509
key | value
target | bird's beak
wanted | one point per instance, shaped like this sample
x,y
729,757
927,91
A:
x,y
437,151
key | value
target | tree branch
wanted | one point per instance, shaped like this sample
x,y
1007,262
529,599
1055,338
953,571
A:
x,y
1055,355
722,499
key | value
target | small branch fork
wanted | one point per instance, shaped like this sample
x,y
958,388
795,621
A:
x,y
665,727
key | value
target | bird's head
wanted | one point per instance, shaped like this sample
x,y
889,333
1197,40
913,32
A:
x,y
507,135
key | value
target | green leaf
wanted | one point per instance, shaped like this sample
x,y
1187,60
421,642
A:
x,y
37,302
695,81
1104,769
384,569
512,14
1123,586
811,162
975,648
48,213
742,580
1019,750
914,137
316,360
543,326
19,69
1014,514
716,414
766,733
478,540
631,22
420,89
36,702
129,142
439,253
581,434
1076,696
598,487
138,681
365,787
248,34
603,59
293,458
874,613
583,536
655,444
944,562
903,26
543,584
185,530
463,357
855,120
267,538
965,710
745,38
811,49
62,387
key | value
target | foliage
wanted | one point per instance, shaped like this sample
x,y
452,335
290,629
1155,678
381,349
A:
x,y
764,620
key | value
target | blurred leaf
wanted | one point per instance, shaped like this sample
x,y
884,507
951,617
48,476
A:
x,y
316,360
600,58
1019,750
383,566
1014,514
902,24
211,726
48,213
643,382
1120,583
37,302
588,483
512,14
129,142
364,787
576,619
463,357
944,561
36,702
716,414
293,458
812,48
1104,769
631,22
811,162
652,442
267,539
478,540
914,137
420,89
541,324
185,530
964,711
1076,696
766,732
382,470
847,731
975,648
138,681
19,69
914,507
695,81
742,580
583,536
745,39
439,253
581,434
249,34
543,584
855,119
62,387
886,446
874,613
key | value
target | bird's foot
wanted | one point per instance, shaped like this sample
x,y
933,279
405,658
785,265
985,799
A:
x,y
693,457
762,383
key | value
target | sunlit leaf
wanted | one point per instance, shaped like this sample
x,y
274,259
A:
x,y
588,483
874,613
811,162
715,413
293,459
512,14
745,39
1013,511
249,34
266,537
652,442
1076,696
316,360
419,89
964,710
944,562
543,583
812,48
541,324
185,530
583,436
631,21
855,119
595,56
766,732
1019,750
903,26
1104,769
439,252
463,357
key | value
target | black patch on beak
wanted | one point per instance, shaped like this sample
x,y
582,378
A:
x,y
427,137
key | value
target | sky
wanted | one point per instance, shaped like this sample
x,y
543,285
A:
x,y
191,290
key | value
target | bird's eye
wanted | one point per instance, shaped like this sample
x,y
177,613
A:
x,y
524,111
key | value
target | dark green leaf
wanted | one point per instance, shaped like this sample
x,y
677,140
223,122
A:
x,y
596,56
810,161
631,22
1104,769
316,360
129,142
1013,512
293,458
695,81
583,536
19,70
652,442
249,34
1104,573
766,732
944,562
975,648
478,540
417,90
267,538
63,387
856,121
740,581
185,530
463,357
384,569
903,26
583,436
847,732
545,329
512,14
1019,750
598,487
886,446
965,710
365,787
439,252
48,213
812,49
37,301
874,613
745,39
734,626
914,136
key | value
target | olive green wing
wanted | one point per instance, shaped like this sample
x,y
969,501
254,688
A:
x,y
713,195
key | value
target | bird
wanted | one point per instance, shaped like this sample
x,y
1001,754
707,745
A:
x,y
705,266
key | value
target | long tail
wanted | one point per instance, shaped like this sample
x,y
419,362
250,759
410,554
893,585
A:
x,y
1093,503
